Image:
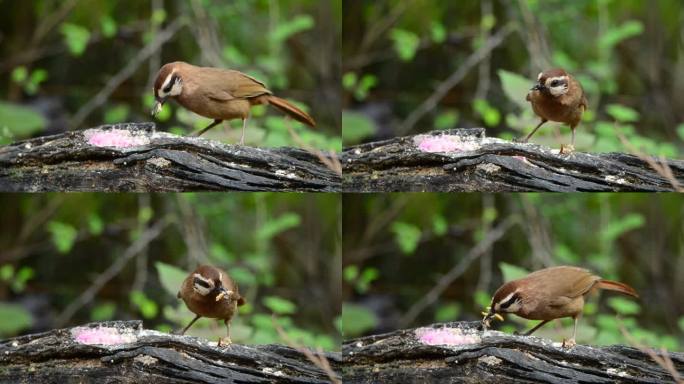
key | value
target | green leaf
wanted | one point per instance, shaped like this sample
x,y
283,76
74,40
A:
x,y
680,131
19,74
6,272
438,32
171,277
102,312
234,56
284,30
13,318
279,306
615,35
350,273
448,312
116,114
20,120
446,119
488,22
439,225
147,307
511,272
624,306
617,228
95,224
349,81
355,127
357,320
63,236
158,16
482,299
76,38
275,226
407,236
405,43
622,114
108,26
515,86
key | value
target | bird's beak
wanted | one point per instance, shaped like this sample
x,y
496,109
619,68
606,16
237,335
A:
x,y
538,87
488,316
156,108
222,292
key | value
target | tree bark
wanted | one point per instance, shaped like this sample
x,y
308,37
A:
x,y
133,157
460,352
466,160
124,352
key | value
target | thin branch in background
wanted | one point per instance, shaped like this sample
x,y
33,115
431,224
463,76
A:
x,y
47,23
89,294
534,37
483,76
431,102
478,250
141,260
318,359
661,168
127,71
206,35
663,359
537,231
378,27
155,59
488,205
330,159
192,231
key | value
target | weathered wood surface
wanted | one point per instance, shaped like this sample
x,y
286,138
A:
x,y
131,354
133,157
477,163
492,357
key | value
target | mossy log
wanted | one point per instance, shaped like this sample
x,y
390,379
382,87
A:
x,y
132,157
124,352
461,352
466,160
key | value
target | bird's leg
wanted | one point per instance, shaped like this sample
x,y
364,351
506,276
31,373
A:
x,y
568,149
201,131
227,339
571,343
533,131
189,325
244,125
535,328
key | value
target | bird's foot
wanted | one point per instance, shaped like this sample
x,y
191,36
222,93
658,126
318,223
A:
x,y
226,340
566,149
569,343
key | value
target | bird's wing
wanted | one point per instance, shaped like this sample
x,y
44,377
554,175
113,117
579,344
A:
x,y
229,85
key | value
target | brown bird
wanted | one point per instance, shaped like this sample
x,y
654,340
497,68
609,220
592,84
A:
x,y
557,96
209,292
219,94
550,293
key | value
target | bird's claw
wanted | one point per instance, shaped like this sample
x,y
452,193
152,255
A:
x,y
566,149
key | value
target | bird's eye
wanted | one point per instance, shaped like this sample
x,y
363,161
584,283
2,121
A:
x,y
168,87
201,283
555,83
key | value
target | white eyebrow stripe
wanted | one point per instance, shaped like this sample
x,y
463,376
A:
x,y
539,76
507,298
551,79
167,80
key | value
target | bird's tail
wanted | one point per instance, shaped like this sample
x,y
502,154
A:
x,y
617,286
290,110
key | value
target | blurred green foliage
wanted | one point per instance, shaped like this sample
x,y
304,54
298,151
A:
x,y
410,241
625,54
57,56
282,250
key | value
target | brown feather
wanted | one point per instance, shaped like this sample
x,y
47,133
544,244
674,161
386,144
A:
x,y
617,287
292,111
